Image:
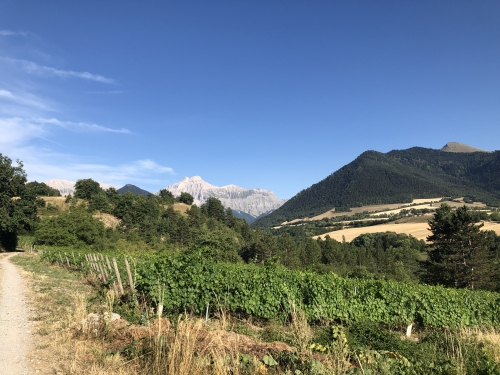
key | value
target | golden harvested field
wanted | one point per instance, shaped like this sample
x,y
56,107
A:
x,y
417,230
388,208
426,200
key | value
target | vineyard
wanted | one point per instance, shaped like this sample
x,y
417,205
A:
x,y
195,284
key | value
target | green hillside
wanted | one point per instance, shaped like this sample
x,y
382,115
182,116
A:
x,y
134,190
394,177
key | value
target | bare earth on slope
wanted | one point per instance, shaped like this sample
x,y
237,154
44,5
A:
x,y
15,328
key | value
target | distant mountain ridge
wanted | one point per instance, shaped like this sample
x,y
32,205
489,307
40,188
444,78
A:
x,y
66,187
247,203
134,190
395,177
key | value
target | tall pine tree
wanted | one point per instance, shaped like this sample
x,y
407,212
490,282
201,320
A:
x,y
459,255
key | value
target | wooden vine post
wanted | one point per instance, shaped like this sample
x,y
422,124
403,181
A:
x,y
118,278
129,274
115,287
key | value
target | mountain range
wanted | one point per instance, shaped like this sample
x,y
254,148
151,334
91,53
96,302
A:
x,y
398,176
66,187
249,204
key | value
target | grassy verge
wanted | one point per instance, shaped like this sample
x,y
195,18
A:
x,y
59,302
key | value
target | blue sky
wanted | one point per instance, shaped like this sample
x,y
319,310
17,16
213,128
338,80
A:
x,y
271,94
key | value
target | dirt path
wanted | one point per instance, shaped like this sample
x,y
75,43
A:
x,y
15,332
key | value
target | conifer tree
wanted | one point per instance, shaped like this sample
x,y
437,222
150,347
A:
x,y
459,255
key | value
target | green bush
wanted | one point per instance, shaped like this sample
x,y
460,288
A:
x,y
75,227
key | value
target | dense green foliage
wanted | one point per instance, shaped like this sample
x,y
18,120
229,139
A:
x,y
87,188
460,255
190,282
185,198
166,196
134,190
395,177
193,281
76,227
42,189
18,204
431,355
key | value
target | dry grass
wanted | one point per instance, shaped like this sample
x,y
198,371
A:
x,y
417,230
59,202
181,207
488,337
109,221
301,332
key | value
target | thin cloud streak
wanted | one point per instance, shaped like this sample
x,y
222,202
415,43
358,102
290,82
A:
x,y
106,92
12,33
80,125
34,68
18,131
24,99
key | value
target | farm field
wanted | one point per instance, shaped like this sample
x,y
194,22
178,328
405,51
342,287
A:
x,y
417,230
389,208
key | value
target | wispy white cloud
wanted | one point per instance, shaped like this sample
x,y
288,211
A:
x,y
34,68
17,131
24,99
13,33
113,92
39,167
150,165
82,126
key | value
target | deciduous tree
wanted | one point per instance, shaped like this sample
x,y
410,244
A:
x,y
87,188
18,206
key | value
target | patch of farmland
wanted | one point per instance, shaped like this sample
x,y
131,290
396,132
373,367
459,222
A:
x,y
417,230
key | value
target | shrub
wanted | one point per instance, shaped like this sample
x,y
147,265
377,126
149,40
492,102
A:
x,y
75,227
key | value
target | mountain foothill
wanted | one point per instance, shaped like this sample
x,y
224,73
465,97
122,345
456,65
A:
x,y
398,176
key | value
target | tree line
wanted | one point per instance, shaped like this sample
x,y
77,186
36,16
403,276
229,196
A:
x,y
460,254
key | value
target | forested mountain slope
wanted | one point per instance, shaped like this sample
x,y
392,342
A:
x,y
134,190
397,176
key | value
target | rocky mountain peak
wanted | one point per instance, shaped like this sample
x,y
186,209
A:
x,y
250,203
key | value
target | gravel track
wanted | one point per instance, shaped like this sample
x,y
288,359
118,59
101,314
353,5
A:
x,y
15,327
